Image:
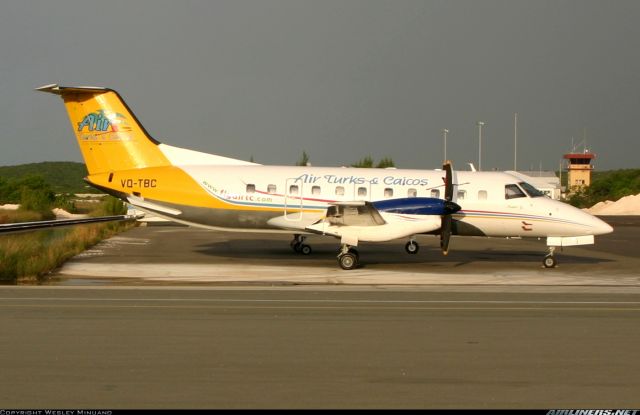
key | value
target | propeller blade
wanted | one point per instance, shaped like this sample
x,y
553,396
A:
x,y
448,181
450,208
445,233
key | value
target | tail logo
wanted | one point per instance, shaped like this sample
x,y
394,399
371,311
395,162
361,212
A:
x,y
102,121
103,125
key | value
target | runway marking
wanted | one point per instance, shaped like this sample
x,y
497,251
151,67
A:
x,y
329,304
262,300
237,307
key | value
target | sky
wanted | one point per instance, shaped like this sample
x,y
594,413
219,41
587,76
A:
x,y
339,79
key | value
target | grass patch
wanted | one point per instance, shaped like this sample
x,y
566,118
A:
x,y
14,216
31,256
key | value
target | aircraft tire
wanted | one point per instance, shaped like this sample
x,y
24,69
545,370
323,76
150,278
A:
x,y
549,261
412,247
304,249
347,261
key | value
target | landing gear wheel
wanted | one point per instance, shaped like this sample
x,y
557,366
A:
x,y
298,246
347,261
412,247
549,261
304,249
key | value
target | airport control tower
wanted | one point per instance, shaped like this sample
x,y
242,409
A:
x,y
579,169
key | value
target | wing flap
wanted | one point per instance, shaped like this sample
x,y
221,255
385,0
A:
x,y
393,228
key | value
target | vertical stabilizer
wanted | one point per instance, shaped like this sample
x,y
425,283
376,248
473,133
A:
x,y
109,135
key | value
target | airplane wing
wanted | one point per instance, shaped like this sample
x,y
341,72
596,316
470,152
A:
x,y
44,224
386,220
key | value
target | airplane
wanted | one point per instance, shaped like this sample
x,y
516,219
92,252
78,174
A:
x,y
353,205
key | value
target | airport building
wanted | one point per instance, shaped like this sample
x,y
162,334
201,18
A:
x,y
579,169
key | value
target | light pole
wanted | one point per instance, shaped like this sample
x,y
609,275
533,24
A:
x,y
444,133
480,124
515,141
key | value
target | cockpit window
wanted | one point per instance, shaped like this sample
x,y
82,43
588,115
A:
x,y
512,191
531,191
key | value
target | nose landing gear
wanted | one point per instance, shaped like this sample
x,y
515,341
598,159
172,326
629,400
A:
x,y
549,260
412,247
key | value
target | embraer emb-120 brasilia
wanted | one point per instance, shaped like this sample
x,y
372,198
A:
x,y
351,204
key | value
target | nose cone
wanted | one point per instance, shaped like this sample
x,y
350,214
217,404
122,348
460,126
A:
x,y
599,226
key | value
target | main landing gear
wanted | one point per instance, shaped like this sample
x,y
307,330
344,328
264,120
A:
x,y
298,245
549,260
348,257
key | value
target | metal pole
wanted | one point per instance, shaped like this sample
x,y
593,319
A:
x,y
444,133
480,124
515,142
560,173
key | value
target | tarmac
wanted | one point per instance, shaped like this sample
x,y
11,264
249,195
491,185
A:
x,y
173,254
169,317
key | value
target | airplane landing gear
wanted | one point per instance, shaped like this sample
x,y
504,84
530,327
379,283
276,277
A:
x,y
549,260
298,246
412,247
348,258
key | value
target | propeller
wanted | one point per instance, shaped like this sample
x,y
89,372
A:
x,y
450,208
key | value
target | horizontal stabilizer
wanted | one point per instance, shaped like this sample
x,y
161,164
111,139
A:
x,y
140,202
60,90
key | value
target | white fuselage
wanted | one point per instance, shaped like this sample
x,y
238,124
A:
x,y
259,197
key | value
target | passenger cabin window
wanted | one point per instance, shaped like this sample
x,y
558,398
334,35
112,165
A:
x,y
412,193
512,191
388,192
461,194
293,189
482,195
435,193
271,188
251,188
339,191
362,192
315,190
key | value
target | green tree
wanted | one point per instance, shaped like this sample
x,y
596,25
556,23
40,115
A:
x,y
66,201
385,162
35,194
114,206
303,160
366,162
610,185
39,200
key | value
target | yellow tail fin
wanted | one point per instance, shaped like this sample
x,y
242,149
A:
x,y
109,135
